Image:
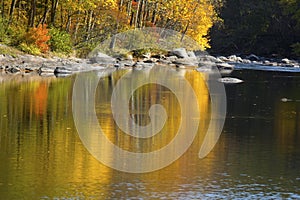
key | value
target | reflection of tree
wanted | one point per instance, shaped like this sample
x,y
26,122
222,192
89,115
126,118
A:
x,y
287,126
40,98
141,101
39,149
42,155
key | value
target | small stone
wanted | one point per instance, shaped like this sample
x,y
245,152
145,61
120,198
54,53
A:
x,y
46,70
207,58
149,61
230,80
286,61
62,70
225,66
246,61
232,58
117,65
239,59
147,55
171,58
253,57
223,58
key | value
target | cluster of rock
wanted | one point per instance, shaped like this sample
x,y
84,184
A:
x,y
201,61
26,64
180,58
253,59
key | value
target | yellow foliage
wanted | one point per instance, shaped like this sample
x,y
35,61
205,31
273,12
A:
x,y
192,17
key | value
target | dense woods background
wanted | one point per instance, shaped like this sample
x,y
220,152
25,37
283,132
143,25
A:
x,y
263,27
228,26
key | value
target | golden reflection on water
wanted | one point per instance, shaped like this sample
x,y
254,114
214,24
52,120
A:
x,y
41,153
142,99
42,156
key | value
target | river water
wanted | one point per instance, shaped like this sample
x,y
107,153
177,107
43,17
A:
x,y
257,155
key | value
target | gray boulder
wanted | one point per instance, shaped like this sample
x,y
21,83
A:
x,y
101,58
208,58
180,53
191,54
186,61
46,70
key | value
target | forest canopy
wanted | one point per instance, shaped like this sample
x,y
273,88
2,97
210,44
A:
x,y
83,23
228,26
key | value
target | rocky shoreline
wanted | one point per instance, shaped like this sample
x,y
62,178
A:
x,y
180,58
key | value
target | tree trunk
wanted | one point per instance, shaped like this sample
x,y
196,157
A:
x,y
121,4
154,14
77,26
46,10
184,32
69,22
32,13
3,9
137,14
129,6
19,8
131,19
54,5
11,11
61,17
89,24
140,14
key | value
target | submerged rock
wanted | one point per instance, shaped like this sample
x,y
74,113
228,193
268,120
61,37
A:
x,y
225,66
62,70
46,70
143,65
230,80
13,69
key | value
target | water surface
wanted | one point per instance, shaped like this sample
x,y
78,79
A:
x,y
257,155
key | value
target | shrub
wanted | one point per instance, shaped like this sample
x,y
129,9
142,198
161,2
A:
x,y
38,37
3,31
30,48
60,41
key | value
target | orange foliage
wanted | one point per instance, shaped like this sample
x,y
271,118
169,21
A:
x,y
39,37
40,98
135,3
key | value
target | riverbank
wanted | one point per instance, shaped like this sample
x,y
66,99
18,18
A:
x,y
24,64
